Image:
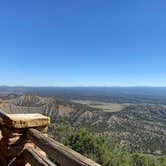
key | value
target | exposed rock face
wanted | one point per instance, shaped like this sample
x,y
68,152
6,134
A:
x,y
56,109
64,110
29,103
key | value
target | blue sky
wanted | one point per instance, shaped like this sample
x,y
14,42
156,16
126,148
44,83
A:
x,y
83,42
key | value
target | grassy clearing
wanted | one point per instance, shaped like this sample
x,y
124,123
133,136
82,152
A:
x,y
107,107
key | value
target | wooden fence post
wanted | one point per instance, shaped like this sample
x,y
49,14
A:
x,y
14,139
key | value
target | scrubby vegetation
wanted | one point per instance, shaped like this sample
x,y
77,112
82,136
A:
x,y
105,151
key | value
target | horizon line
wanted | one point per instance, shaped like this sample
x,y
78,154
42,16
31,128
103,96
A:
x,y
83,86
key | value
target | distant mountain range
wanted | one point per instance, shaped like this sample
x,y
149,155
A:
x,y
151,95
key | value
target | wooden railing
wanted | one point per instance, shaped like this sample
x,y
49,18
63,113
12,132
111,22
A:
x,y
24,141
35,159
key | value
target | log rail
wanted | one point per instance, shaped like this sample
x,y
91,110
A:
x,y
25,142
33,157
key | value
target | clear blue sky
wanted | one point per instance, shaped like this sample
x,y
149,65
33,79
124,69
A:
x,y
83,42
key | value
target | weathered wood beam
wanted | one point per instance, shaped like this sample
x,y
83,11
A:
x,y
25,120
62,154
32,156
